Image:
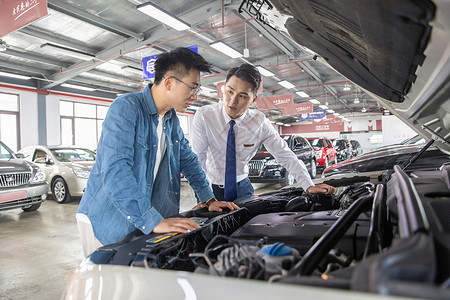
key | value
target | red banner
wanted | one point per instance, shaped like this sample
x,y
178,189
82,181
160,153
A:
x,y
298,109
15,14
313,128
273,102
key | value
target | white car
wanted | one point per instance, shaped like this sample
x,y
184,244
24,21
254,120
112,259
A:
x,y
382,234
66,169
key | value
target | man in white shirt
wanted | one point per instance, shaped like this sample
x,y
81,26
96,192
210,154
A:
x,y
251,128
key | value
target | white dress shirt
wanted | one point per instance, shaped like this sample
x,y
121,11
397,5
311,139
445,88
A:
x,y
209,141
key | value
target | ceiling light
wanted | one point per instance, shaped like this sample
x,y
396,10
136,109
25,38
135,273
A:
x,y
68,51
347,87
330,111
193,107
286,84
287,125
264,72
302,94
279,123
340,116
314,101
163,16
14,76
323,106
78,87
356,100
132,70
226,49
336,114
363,109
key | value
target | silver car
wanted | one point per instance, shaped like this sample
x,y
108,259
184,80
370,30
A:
x,y
67,169
22,184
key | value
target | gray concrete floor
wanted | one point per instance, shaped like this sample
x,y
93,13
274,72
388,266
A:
x,y
39,249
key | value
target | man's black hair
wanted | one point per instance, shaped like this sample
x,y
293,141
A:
x,y
179,62
247,73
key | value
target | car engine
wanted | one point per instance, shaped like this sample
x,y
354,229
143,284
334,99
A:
x,y
386,234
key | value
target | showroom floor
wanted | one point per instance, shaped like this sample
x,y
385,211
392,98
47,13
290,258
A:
x,y
39,249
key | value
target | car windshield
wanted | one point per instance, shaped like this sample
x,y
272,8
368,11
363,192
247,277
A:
x,y
316,142
73,154
339,143
417,139
5,154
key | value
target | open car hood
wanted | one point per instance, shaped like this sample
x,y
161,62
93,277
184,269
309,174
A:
x,y
397,51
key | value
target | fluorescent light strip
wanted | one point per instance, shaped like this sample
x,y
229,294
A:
x,y
286,84
302,94
279,123
330,111
264,71
14,76
163,16
314,101
193,107
78,87
323,106
226,49
68,52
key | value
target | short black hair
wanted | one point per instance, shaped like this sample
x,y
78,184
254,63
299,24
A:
x,y
179,61
247,73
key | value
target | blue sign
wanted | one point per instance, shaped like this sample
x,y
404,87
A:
x,y
148,63
318,114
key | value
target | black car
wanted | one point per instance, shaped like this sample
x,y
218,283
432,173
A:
x,y
386,158
264,168
22,184
344,149
357,149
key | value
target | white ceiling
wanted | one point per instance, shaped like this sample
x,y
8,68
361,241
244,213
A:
x,y
115,34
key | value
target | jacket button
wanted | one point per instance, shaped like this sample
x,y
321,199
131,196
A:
x,y
154,145
143,227
128,217
176,141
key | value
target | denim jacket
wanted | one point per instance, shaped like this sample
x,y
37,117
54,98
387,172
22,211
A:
x,y
121,194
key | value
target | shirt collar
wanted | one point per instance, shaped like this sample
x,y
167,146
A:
x,y
228,119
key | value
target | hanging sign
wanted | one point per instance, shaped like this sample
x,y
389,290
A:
x,y
318,114
15,14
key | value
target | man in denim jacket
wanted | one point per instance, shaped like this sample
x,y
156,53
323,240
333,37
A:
x,y
135,182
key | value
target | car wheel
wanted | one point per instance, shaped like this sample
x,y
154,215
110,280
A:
x,y
313,171
32,207
60,191
288,179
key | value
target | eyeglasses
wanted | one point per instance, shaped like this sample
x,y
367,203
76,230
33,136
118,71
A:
x,y
194,90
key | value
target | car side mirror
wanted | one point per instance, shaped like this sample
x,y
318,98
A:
x,y
40,160
20,155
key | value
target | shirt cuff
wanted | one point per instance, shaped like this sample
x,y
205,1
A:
x,y
148,221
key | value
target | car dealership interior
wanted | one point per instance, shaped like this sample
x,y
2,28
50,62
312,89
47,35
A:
x,y
365,110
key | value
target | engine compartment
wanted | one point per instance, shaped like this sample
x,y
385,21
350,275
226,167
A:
x,y
388,235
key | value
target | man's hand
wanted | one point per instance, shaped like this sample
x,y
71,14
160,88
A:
x,y
217,205
321,189
181,225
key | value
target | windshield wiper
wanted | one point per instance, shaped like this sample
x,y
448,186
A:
x,y
415,157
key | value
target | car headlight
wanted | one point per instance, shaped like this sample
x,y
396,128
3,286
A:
x,y
81,173
39,176
271,162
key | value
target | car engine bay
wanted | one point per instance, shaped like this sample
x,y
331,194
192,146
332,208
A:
x,y
387,234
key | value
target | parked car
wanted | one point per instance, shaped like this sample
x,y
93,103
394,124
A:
x,y
325,151
356,147
344,149
264,168
22,184
387,158
384,234
66,169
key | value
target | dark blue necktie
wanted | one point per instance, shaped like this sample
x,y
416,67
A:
x,y
230,193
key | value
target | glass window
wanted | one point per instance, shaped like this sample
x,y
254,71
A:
x,y
101,111
73,154
9,130
4,153
66,108
85,110
85,136
9,102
